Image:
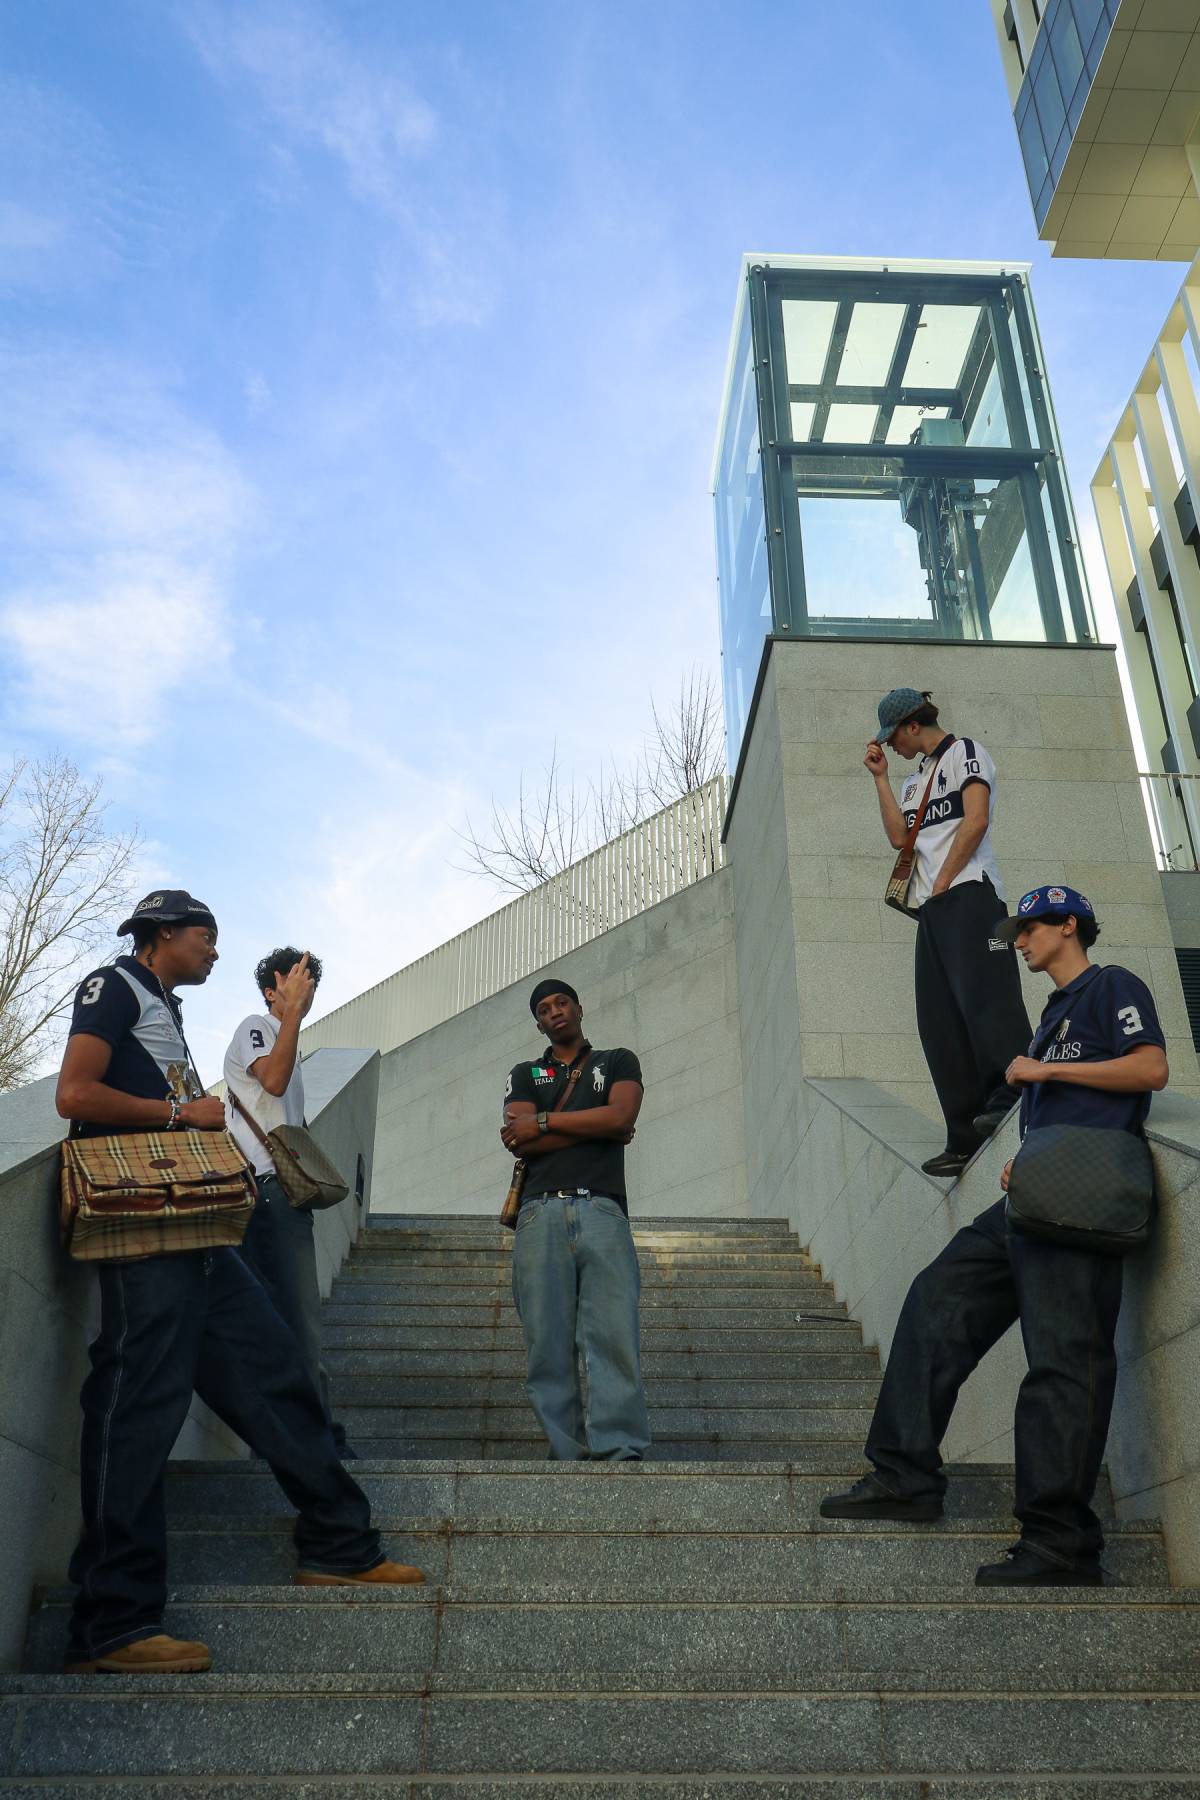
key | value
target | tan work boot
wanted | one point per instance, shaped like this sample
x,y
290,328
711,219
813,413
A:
x,y
390,1573
157,1655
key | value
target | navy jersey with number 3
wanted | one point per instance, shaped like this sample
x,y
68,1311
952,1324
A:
x,y
1101,1015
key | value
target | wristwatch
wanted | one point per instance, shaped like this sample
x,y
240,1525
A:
x,y
176,1106
543,1120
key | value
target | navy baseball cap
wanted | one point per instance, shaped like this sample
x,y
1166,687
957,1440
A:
x,y
168,906
896,706
1044,903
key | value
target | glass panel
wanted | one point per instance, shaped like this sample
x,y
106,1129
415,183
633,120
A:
x,y
870,342
802,418
744,590
1089,17
1026,401
850,424
1049,102
989,425
861,561
1066,48
940,350
807,328
1015,614
1060,154
1029,131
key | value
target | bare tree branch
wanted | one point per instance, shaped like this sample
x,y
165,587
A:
x,y
555,822
688,746
62,877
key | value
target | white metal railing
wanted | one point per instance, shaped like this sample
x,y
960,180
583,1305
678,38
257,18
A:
x,y
668,852
1170,809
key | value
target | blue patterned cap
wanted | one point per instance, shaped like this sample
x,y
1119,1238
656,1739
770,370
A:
x,y
1044,903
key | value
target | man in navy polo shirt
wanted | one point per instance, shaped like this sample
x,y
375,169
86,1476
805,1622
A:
x,y
1096,1058
180,1320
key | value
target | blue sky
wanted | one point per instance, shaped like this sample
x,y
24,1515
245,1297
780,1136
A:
x,y
360,366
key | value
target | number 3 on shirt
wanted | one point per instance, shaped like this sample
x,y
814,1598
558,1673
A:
x,y
91,992
1131,1020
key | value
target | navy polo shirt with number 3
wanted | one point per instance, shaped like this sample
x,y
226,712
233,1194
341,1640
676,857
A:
x,y
1101,1015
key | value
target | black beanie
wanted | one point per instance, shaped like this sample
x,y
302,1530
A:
x,y
550,986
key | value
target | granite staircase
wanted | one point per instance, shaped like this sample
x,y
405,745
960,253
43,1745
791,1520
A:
x,y
688,1626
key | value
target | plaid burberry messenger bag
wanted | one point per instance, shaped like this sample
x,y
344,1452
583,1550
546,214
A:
x,y
148,1193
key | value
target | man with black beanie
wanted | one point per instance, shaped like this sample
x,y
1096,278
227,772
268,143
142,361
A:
x,y
576,1283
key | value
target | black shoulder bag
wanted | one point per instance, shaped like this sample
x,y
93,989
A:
x,y
1084,1186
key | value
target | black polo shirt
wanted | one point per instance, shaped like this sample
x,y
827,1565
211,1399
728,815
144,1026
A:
x,y
597,1164
128,1008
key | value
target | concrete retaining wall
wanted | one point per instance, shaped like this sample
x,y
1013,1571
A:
x,y
48,1315
664,984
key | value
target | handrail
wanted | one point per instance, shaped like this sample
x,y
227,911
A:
x,y
664,854
1174,820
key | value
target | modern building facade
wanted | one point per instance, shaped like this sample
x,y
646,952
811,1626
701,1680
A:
x,y
1106,98
888,465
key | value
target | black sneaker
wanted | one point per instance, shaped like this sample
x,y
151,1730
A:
x,y
869,1499
1022,1567
948,1162
995,1110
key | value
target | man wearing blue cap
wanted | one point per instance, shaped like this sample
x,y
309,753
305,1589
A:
x,y
1095,1060
970,1014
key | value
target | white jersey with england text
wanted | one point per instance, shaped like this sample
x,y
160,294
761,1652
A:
x,y
963,763
255,1037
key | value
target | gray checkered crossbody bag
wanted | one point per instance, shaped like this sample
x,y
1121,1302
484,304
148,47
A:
x,y
1080,1185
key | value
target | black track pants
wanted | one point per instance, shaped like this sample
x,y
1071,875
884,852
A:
x,y
970,1013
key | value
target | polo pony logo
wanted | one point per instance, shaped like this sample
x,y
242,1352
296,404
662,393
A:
x,y
598,1078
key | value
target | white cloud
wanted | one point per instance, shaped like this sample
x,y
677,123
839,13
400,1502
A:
x,y
120,525
438,262
313,83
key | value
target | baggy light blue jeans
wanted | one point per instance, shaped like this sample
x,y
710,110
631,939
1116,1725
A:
x,y
576,1286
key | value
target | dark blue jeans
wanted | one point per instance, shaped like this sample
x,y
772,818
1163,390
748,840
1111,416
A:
x,y
279,1247
1066,1300
198,1320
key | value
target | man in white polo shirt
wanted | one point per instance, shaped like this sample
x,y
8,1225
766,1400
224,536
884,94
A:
x,y
262,1068
970,1014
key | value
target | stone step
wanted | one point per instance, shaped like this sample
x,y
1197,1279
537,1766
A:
x,y
490,1786
769,1423
1145,1638
533,1494
820,1557
245,1726
465,1327
389,1225
499,1243
347,1364
701,1447
655,1298
401,1393
655,1276
445,1256
477,1287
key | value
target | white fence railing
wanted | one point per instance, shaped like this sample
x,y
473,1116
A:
x,y
666,853
1173,810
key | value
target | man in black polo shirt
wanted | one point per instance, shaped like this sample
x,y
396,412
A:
x,y
170,1323
1096,1058
576,1282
